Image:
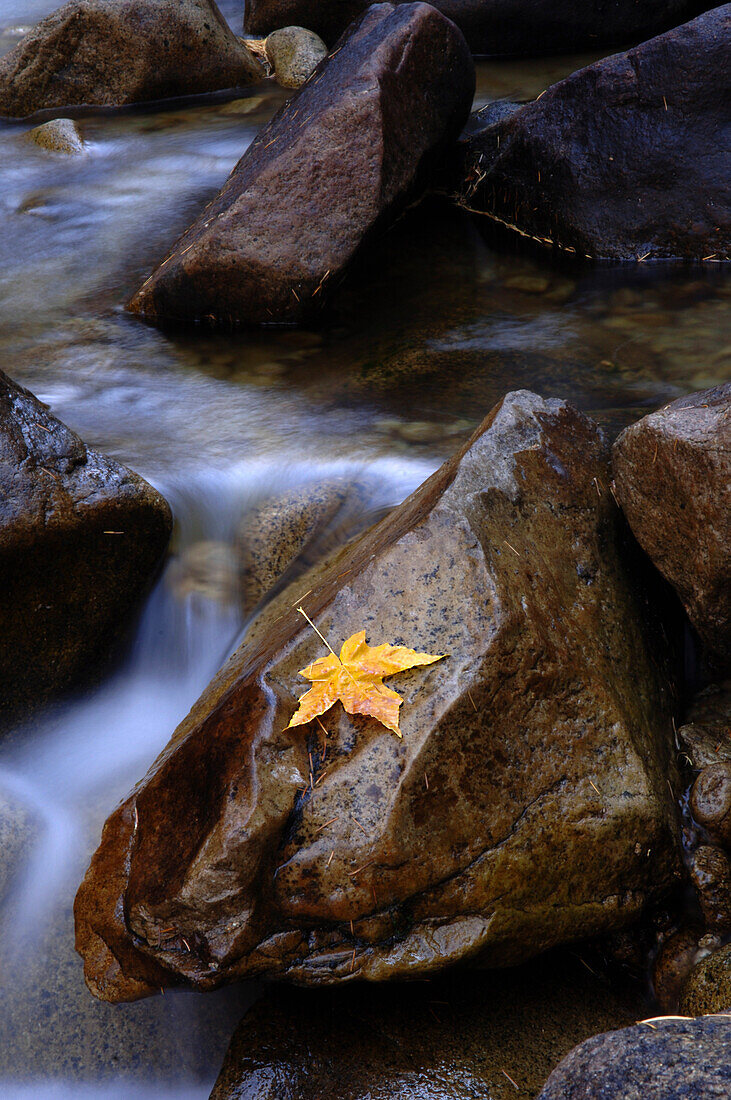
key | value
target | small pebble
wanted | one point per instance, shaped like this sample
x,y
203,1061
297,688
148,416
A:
x,y
294,53
60,135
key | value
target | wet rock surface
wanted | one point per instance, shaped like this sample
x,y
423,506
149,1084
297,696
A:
x,y
294,53
527,804
80,540
495,26
51,1027
123,51
672,475
61,135
335,165
710,802
710,873
660,1060
705,737
467,1036
302,524
709,987
644,174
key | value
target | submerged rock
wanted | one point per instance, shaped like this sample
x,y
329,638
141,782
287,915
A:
x,y
527,804
302,524
709,986
464,1036
19,829
336,164
672,473
208,570
58,136
496,26
294,53
80,539
645,174
111,52
664,1059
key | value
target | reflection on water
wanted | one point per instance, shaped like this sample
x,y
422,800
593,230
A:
x,y
437,322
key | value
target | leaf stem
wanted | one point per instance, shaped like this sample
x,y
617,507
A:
x,y
325,642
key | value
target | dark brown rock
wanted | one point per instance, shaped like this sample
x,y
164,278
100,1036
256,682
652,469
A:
x,y
80,539
710,873
466,1036
672,474
645,173
675,960
527,804
709,986
335,165
496,26
710,801
111,52
664,1059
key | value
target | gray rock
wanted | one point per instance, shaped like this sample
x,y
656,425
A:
x,y
665,1059
464,1037
301,524
81,538
672,473
60,135
111,52
294,53
526,805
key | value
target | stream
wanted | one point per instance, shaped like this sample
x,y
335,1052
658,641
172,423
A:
x,y
435,324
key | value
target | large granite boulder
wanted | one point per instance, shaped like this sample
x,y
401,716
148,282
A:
x,y
497,26
80,539
336,164
625,159
461,1037
527,805
672,472
111,52
663,1059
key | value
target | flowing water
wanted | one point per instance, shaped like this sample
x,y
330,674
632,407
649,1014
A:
x,y
437,322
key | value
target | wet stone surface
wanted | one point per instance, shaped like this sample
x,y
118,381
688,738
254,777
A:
x,y
463,1037
442,846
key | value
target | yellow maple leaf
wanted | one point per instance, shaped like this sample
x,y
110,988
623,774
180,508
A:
x,y
355,678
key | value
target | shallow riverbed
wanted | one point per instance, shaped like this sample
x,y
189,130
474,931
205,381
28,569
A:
x,y
437,322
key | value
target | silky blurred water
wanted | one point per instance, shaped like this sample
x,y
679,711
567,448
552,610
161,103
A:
x,y
434,325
